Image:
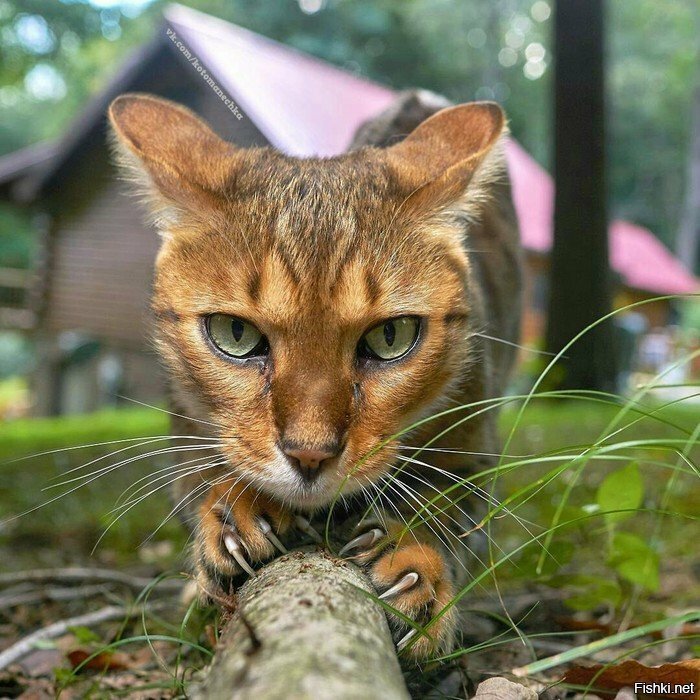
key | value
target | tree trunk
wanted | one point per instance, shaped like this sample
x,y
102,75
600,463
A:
x,y
689,230
579,279
304,629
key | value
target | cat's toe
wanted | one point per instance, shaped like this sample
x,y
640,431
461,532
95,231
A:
x,y
234,536
414,580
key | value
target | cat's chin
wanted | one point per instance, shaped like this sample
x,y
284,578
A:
x,y
302,497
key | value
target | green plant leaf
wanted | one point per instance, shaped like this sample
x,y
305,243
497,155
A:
x,y
621,490
634,560
591,591
84,635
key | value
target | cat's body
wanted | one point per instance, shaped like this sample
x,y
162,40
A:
x,y
323,270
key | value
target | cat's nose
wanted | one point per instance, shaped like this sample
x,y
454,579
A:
x,y
309,461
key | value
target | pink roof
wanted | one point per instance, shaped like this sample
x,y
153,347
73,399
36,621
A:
x,y
641,260
645,263
305,106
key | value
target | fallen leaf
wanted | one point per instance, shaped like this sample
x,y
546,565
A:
x,y
104,661
610,679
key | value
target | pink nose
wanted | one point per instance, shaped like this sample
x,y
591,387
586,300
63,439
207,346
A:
x,y
309,461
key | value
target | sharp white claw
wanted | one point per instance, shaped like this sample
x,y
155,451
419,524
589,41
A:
x,y
234,548
364,541
305,526
408,581
267,531
406,639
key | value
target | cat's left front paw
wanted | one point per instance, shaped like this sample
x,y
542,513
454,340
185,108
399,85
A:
x,y
412,577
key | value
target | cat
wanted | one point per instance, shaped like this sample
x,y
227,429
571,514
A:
x,y
308,311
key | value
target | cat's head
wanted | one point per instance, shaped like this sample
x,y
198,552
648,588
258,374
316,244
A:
x,y
310,308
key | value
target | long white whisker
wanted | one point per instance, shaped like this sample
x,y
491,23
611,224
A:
x,y
514,345
150,479
127,507
92,476
188,498
170,413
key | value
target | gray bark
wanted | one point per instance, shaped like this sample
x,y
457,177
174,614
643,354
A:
x,y
303,629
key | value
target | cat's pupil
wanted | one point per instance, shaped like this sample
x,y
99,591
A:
x,y
237,329
389,333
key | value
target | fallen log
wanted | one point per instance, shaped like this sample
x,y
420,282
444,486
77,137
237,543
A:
x,y
303,628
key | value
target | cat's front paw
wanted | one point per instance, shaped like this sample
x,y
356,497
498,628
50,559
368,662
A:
x,y
412,577
237,530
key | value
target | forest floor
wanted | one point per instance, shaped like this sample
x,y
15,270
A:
x,y
103,598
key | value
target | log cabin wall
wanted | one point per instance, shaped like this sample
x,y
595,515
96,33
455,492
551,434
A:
x,y
98,270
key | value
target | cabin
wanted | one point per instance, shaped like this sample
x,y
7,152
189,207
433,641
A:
x,y
87,302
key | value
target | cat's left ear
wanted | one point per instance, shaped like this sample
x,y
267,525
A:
x,y
439,158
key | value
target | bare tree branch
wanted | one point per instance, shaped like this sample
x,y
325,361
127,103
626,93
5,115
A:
x,y
304,628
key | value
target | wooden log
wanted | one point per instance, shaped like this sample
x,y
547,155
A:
x,y
304,629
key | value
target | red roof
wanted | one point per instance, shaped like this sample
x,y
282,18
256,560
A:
x,y
305,106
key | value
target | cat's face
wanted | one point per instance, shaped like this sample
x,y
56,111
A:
x,y
311,309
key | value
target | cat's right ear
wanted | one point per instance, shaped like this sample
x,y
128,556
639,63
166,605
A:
x,y
439,159
177,161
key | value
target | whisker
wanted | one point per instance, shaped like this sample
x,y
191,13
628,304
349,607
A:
x,y
127,507
515,345
427,521
164,473
187,499
102,471
170,413
148,438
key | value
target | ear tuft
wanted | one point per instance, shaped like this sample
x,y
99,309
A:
x,y
174,155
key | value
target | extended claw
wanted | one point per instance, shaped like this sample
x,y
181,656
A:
x,y
235,549
305,526
363,541
403,642
408,581
267,531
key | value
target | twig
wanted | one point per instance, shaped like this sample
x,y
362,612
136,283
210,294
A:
x,y
54,594
27,644
80,574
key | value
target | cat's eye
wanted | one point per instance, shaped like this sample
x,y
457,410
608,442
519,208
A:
x,y
235,337
390,339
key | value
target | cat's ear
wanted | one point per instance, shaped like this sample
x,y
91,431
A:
x,y
177,161
440,157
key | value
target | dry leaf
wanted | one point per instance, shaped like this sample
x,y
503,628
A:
x,y
104,661
677,681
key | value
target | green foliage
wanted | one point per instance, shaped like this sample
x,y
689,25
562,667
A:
x,y
634,560
621,490
589,592
16,237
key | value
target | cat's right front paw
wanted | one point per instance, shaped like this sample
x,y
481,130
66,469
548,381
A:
x,y
237,530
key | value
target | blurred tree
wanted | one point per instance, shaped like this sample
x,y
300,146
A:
x,y
53,56
579,276
688,240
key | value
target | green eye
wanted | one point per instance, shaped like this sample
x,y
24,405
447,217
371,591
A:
x,y
391,339
235,337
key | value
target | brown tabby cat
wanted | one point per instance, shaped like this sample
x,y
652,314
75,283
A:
x,y
309,310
